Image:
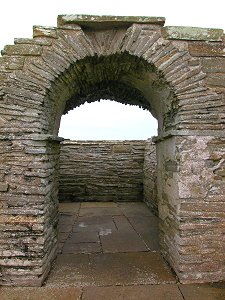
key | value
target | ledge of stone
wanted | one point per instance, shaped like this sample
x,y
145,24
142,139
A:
x,y
46,137
174,133
192,33
103,22
33,137
96,142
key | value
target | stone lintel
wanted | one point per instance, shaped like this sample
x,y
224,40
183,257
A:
x,y
174,133
192,33
104,22
97,142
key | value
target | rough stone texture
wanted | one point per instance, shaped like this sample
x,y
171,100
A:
x,y
28,217
101,171
37,293
193,33
41,78
142,292
149,176
191,192
106,21
203,292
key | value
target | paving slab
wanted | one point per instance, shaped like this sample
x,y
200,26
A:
x,y
83,237
148,229
100,211
81,248
96,223
122,241
142,292
122,223
130,268
71,270
45,293
66,219
135,209
69,207
60,247
203,292
98,204
63,228
63,236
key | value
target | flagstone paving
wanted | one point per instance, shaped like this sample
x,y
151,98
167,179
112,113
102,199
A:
x,y
111,251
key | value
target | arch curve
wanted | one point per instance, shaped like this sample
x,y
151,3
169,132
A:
x,y
71,58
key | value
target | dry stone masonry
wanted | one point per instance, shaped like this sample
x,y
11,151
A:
x,y
177,73
101,170
150,176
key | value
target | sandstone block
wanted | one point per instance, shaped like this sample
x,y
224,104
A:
x,y
216,80
13,62
206,49
192,33
22,49
106,21
213,65
4,187
40,31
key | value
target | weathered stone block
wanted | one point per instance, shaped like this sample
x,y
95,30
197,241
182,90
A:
x,y
13,62
120,148
202,49
171,166
20,49
42,41
192,33
4,187
106,21
41,31
216,80
213,65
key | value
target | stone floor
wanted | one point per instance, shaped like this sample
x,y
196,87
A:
x,y
110,251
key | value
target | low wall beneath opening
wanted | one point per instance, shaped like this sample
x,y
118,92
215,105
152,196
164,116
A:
x,y
103,171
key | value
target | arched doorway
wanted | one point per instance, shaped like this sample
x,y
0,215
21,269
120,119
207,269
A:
x,y
131,60
108,120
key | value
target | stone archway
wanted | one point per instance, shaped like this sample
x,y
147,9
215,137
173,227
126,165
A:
x,y
135,60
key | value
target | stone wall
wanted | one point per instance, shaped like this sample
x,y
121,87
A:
x,y
195,195
149,176
28,207
101,170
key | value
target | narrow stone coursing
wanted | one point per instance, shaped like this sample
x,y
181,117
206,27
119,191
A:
x,y
101,171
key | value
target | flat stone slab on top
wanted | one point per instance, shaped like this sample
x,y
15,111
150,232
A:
x,y
103,22
169,32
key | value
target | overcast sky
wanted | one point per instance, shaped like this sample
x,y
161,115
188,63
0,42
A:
x,y
106,120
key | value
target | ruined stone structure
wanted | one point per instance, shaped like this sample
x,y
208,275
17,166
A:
x,y
108,171
177,73
102,170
